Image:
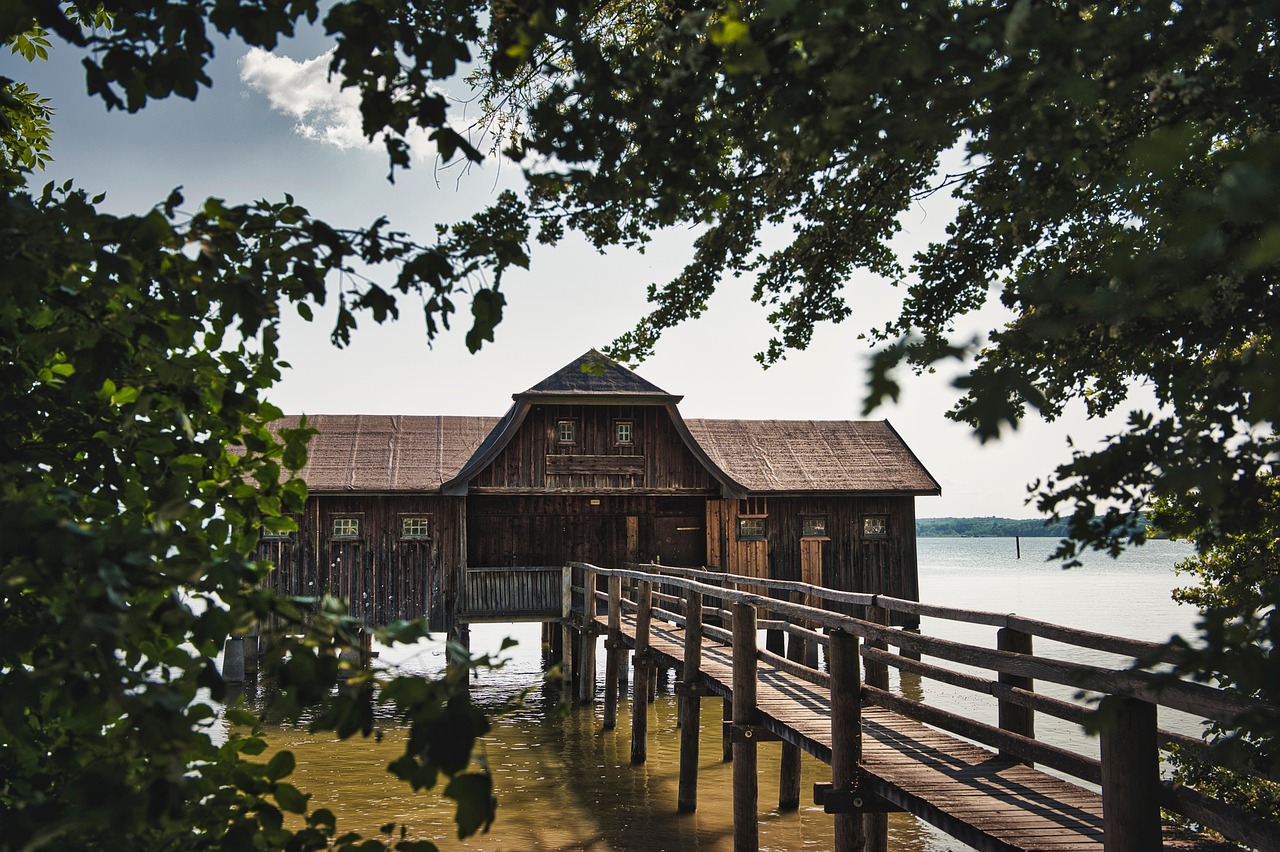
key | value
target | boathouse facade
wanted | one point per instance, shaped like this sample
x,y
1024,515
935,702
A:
x,y
407,515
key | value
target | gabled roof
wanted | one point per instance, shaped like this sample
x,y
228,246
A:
x,y
814,455
396,453
597,376
382,453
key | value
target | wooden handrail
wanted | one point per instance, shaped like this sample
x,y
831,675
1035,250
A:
x,y
1161,689
1132,788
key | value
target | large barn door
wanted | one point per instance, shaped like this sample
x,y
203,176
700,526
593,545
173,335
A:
x,y
679,541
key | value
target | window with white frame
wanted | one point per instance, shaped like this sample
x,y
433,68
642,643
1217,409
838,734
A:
x,y
813,526
346,527
415,526
566,431
875,526
751,529
623,432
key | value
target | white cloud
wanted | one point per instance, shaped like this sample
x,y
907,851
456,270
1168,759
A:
x,y
324,111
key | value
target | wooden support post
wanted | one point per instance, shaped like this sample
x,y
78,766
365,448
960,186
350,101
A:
x,y
746,792
690,706
654,674
233,660
613,654
1130,776
789,768
640,693
252,650
587,667
727,742
875,826
907,652
846,732
877,674
1013,718
566,636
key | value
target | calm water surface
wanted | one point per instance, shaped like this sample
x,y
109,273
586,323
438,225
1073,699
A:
x,y
563,784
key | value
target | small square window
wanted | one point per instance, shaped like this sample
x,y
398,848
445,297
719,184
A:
x,y
276,536
875,526
415,526
565,431
814,526
346,527
751,529
623,432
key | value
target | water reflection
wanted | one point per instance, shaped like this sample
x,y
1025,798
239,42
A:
x,y
562,782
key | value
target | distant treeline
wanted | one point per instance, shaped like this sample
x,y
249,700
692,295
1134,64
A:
x,y
1026,527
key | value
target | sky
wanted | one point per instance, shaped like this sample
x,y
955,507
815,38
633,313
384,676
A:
x,y
272,124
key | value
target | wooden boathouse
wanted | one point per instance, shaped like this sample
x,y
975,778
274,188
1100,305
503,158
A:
x,y
411,516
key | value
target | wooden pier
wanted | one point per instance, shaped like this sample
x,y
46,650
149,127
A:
x,y
985,785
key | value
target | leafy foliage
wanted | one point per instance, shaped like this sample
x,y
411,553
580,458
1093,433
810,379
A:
x,y
138,468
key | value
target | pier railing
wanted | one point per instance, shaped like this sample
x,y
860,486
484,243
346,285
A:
x,y
1120,702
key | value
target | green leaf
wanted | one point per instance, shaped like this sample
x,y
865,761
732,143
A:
x,y
290,799
477,808
281,765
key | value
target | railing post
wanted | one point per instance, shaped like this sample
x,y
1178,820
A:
x,y
587,659
1130,776
1015,718
640,684
690,705
789,764
613,654
875,826
846,732
746,793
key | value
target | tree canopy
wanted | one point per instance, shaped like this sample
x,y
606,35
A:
x,y
1118,196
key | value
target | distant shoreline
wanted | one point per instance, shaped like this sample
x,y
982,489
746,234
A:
x,y
991,528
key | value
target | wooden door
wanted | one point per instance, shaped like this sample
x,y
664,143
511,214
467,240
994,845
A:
x,y
680,541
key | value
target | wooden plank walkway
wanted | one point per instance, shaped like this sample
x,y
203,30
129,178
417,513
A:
x,y
969,792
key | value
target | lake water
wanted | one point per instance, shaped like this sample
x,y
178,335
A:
x,y
563,784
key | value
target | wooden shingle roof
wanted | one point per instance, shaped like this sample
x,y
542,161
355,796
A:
x,y
814,455
399,453
382,453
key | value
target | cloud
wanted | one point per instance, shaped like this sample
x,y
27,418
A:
x,y
324,112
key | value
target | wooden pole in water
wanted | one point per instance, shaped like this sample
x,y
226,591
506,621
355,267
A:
x,y
789,768
613,654
727,736
566,636
846,733
1130,776
690,706
640,689
1017,546
233,660
746,792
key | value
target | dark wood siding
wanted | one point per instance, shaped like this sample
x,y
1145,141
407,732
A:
x,y
656,460
381,575
851,561
554,529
